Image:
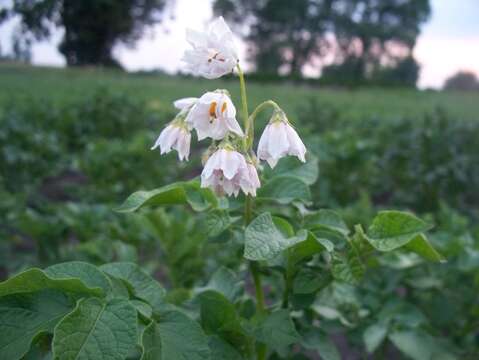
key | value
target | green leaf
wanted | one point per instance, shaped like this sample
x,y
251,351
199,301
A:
x,y
119,288
419,345
226,282
319,341
330,313
415,344
374,335
421,246
221,350
347,268
24,316
96,330
87,273
276,330
284,226
218,313
182,338
142,307
200,199
401,313
216,222
311,246
151,342
142,285
174,194
35,279
263,241
393,229
219,316
39,350
327,219
307,172
308,281
285,189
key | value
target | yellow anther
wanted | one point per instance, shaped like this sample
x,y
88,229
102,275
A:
x,y
212,110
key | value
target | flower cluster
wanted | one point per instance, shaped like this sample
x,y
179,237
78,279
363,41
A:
x,y
231,165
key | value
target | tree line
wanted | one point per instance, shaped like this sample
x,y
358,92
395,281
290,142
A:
x,y
353,42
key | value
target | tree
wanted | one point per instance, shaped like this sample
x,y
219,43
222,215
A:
x,y
404,73
362,35
378,33
92,27
283,35
462,80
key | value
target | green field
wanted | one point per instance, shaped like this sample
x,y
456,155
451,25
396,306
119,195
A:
x,y
75,143
22,83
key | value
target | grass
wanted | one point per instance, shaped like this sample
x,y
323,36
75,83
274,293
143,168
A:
x,y
22,83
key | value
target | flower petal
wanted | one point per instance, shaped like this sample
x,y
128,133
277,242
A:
x,y
211,165
263,153
278,140
183,144
184,102
213,54
233,126
296,146
196,38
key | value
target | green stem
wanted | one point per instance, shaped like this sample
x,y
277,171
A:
x,y
263,106
255,113
244,103
254,268
288,280
261,349
256,275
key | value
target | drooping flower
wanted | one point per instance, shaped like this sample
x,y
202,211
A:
x,y
227,172
250,180
213,115
213,54
278,140
175,136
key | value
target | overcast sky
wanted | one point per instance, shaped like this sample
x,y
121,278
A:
x,y
448,42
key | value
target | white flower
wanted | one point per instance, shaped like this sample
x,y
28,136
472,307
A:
x,y
227,171
250,180
176,136
185,103
213,115
278,140
213,54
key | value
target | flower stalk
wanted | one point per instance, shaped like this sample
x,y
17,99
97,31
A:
x,y
255,113
230,163
244,103
261,349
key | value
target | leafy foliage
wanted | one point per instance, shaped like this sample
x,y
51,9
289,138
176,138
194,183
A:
x,y
354,280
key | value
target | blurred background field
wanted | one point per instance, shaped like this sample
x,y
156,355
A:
x,y
74,142
63,85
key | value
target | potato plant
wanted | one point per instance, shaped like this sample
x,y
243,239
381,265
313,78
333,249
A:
x,y
294,260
